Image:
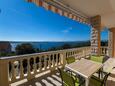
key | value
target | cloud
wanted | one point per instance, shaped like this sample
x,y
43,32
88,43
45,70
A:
x,y
67,30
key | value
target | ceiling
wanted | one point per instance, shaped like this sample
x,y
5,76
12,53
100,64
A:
x,y
105,8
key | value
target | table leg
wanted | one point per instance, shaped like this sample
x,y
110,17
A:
x,y
87,82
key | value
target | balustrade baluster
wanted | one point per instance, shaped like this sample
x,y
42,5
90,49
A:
x,y
45,62
21,69
102,51
53,62
105,51
40,63
67,54
59,59
56,59
49,61
13,71
35,66
28,69
48,58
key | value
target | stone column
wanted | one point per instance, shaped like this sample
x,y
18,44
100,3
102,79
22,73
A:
x,y
95,42
111,42
95,35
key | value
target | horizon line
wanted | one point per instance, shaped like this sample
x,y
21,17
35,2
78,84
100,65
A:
x,y
49,41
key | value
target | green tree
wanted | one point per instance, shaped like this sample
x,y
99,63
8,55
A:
x,y
104,43
2,54
25,48
66,46
83,44
52,49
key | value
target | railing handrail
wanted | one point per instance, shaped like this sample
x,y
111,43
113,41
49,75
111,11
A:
x,y
47,52
104,46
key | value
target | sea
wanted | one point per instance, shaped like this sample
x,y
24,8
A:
x,y
45,45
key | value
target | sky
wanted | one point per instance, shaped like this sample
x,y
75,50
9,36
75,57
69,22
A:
x,y
23,21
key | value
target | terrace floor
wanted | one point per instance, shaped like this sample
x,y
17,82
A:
x,y
53,79
49,79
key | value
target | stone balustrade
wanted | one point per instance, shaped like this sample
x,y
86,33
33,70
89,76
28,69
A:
x,y
16,68
104,50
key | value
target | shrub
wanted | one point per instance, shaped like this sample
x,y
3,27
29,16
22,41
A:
x,y
66,46
25,48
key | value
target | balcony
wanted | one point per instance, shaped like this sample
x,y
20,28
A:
x,y
40,69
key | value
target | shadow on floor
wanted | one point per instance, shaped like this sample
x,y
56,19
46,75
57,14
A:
x,y
111,81
50,79
53,79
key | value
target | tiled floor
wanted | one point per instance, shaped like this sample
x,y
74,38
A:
x,y
53,79
50,79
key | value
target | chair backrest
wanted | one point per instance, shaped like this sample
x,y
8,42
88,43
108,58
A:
x,y
97,59
70,59
105,79
105,58
67,80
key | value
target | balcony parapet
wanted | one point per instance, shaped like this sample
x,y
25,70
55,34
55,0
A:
x,y
16,68
104,50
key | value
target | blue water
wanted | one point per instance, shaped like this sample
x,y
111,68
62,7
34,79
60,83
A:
x,y
43,45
